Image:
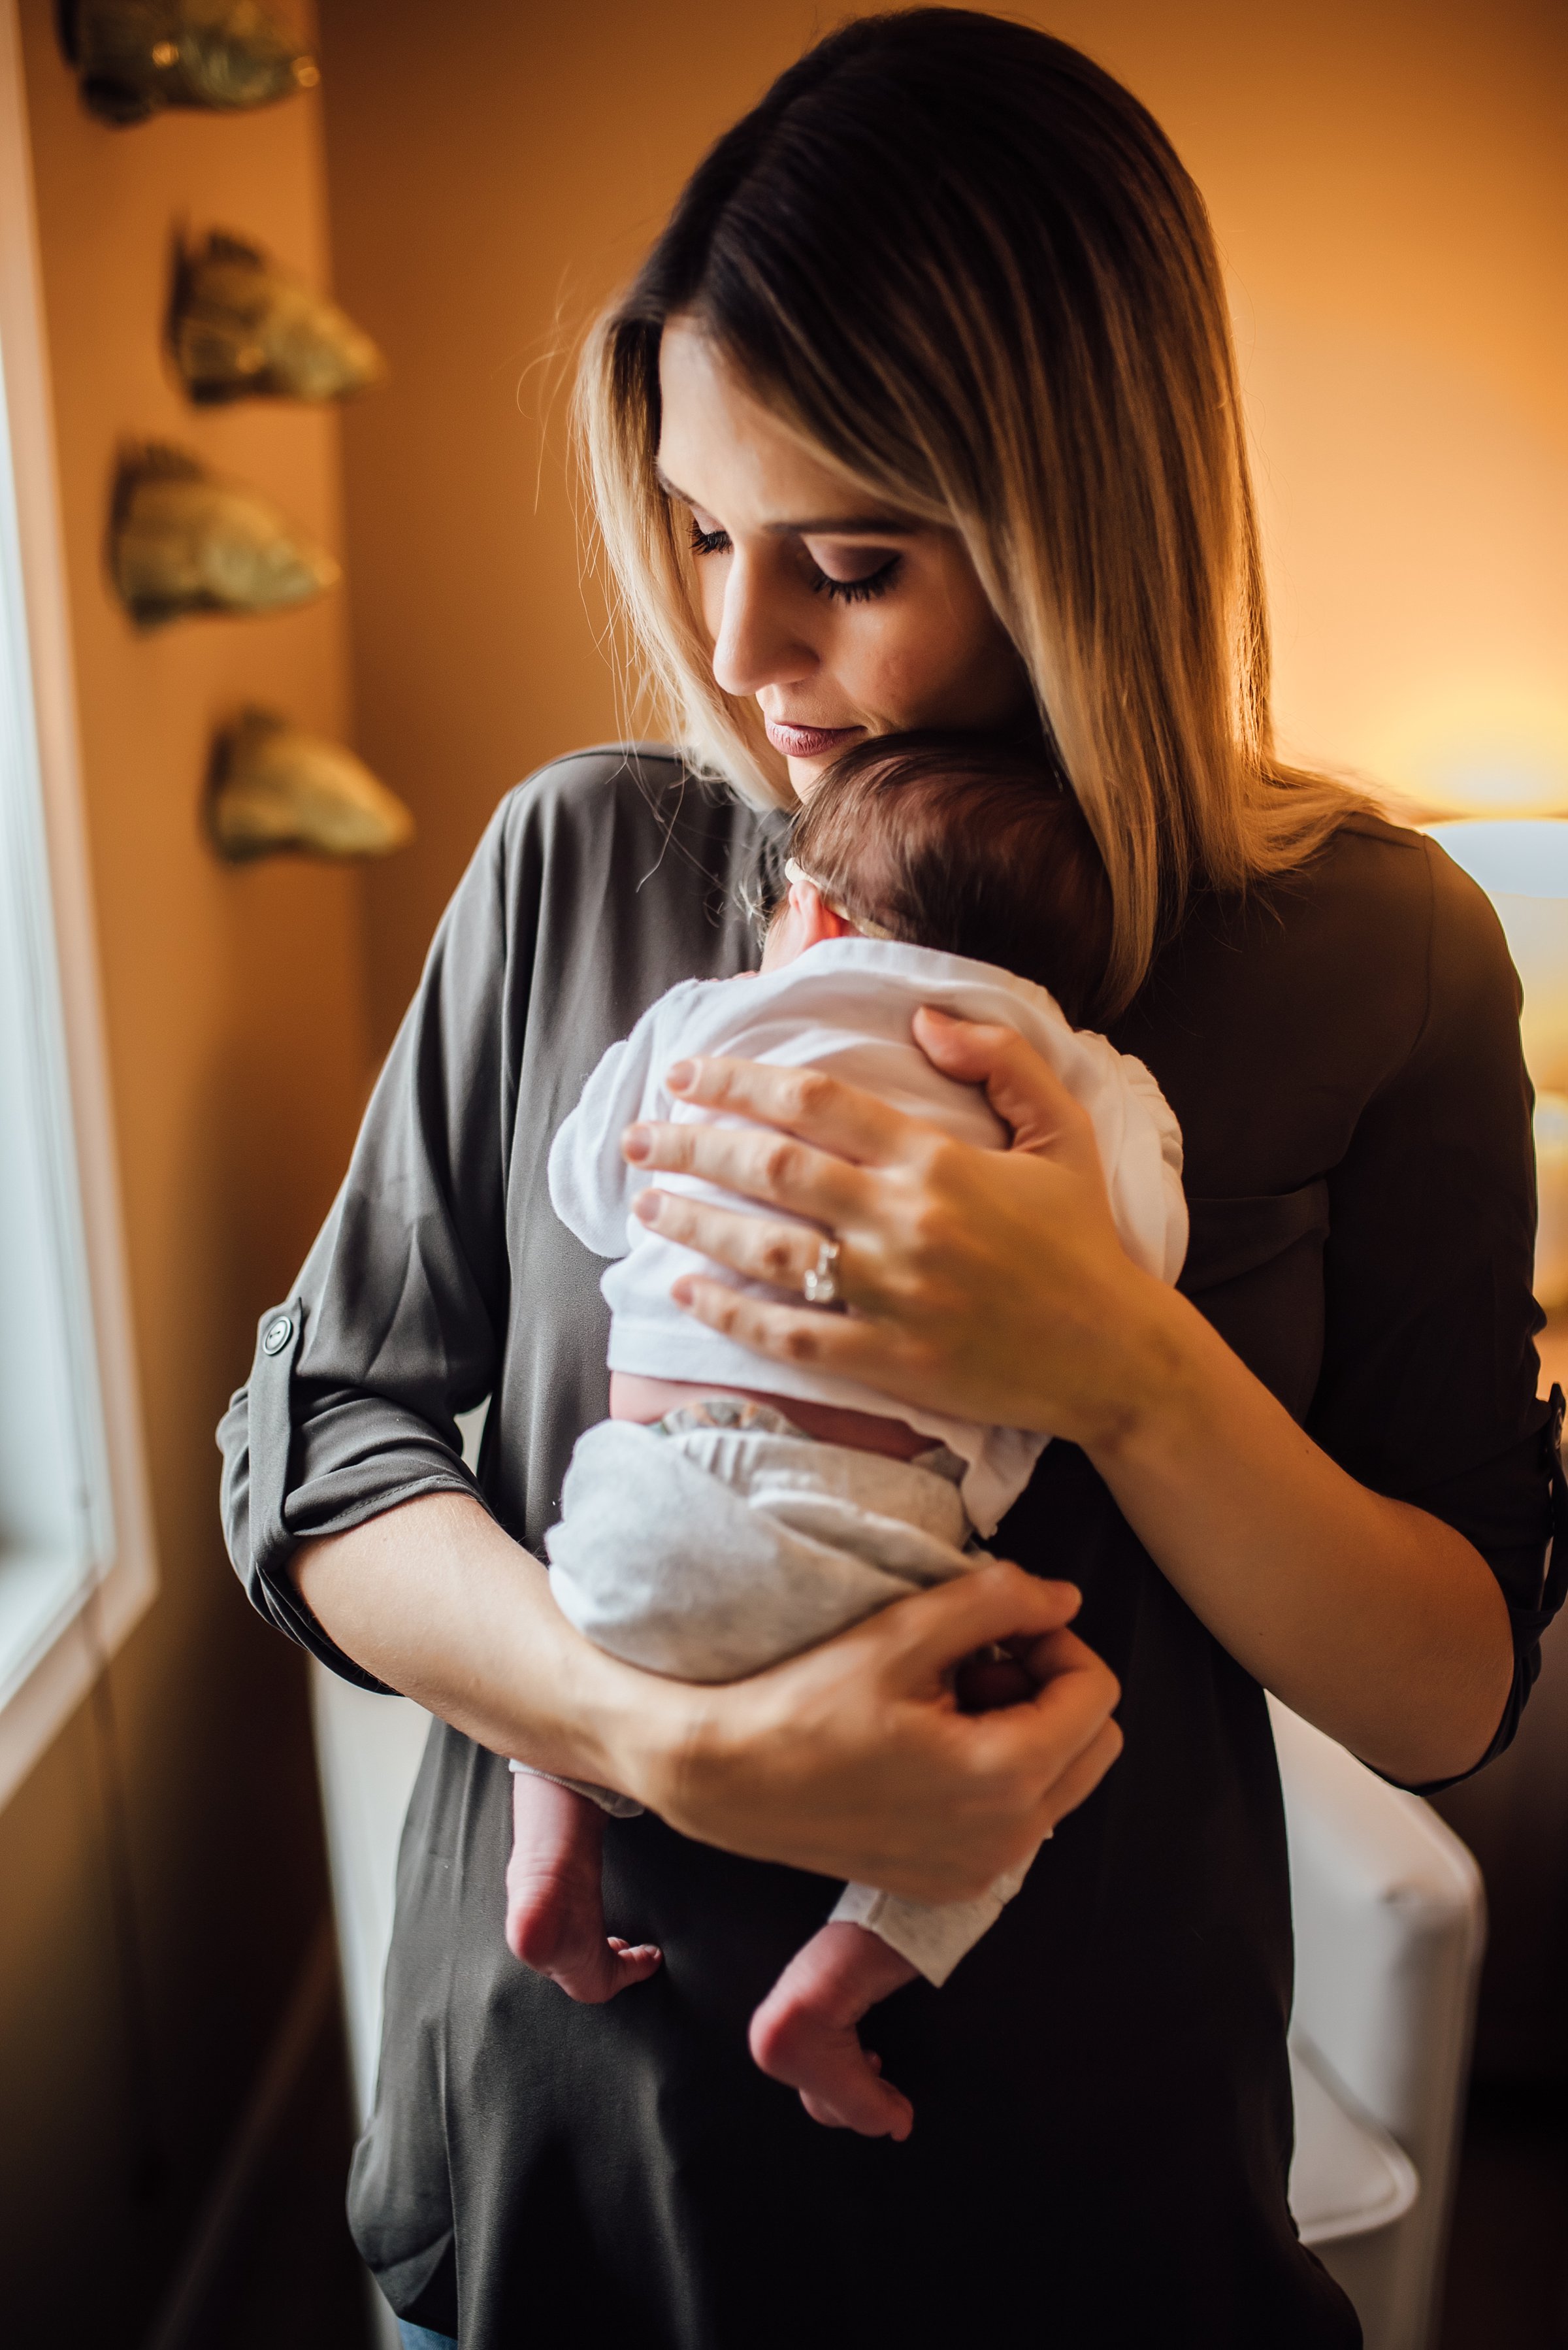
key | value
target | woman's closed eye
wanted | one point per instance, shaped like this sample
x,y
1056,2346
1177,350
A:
x,y
843,573
852,574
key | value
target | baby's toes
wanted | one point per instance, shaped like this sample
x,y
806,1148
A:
x,y
631,1962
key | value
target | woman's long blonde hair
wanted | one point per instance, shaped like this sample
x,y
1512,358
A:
x,y
967,269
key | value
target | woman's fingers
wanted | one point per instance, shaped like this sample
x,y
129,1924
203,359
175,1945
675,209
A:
x,y
836,1117
753,1245
1081,1777
871,1769
1059,1735
839,1343
779,1170
1021,1086
995,1604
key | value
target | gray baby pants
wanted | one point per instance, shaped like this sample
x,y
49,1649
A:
x,y
724,1540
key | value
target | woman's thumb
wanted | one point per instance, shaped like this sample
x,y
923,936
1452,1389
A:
x,y
994,1603
1021,1088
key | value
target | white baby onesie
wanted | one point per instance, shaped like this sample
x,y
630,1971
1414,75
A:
x,y
846,1007
711,1549
725,1540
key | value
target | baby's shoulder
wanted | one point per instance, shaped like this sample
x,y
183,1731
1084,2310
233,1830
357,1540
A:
x,y
695,1014
694,998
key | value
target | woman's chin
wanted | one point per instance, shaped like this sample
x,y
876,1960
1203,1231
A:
x,y
806,774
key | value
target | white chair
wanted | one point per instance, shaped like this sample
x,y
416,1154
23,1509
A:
x,y
1389,1927
367,1752
1390,1923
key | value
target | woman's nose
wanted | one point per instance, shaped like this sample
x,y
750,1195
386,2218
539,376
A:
x,y
759,643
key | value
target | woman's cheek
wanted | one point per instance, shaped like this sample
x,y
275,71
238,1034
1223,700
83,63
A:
x,y
890,675
922,663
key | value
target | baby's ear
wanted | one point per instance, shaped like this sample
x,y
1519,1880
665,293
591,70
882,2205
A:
x,y
816,917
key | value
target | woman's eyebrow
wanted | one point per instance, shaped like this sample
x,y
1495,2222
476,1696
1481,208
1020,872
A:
x,y
823,526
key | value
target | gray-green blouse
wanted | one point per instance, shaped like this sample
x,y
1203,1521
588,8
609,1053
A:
x,y
1102,2109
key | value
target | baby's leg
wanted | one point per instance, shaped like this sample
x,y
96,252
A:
x,y
554,1896
804,2032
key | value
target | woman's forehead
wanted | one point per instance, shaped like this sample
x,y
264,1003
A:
x,y
724,451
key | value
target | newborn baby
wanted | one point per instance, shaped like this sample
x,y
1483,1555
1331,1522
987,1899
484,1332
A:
x,y
713,1525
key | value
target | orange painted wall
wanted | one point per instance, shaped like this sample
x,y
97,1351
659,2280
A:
x,y
1389,185
234,1015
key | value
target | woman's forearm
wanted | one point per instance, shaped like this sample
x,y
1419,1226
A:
x,y
437,1602
1375,1620
852,1760
993,1285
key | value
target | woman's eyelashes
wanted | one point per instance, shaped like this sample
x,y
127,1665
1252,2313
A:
x,y
860,587
863,588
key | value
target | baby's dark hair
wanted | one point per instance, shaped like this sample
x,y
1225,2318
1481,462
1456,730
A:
x,y
969,844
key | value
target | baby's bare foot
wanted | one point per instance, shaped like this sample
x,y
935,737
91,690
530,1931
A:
x,y
557,1927
804,2032
554,1903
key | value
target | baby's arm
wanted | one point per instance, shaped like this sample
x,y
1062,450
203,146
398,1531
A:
x,y
591,1185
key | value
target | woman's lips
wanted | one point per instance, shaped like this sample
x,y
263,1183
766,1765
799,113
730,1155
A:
x,y
809,742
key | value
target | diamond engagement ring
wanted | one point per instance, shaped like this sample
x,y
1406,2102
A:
x,y
821,1283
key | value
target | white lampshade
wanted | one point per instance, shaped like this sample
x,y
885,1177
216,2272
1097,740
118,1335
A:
x,y
1552,1174
1522,865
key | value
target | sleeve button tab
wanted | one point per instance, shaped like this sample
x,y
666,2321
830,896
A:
x,y
276,1336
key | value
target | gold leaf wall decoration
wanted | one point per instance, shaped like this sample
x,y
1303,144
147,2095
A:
x,y
275,788
133,58
180,541
240,327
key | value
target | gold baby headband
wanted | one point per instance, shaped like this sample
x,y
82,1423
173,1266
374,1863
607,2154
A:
x,y
794,872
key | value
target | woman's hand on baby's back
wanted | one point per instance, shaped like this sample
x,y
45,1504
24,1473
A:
x,y
988,1284
858,1759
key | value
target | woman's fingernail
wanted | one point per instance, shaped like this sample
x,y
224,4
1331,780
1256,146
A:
x,y
679,1076
635,1142
681,1291
645,1207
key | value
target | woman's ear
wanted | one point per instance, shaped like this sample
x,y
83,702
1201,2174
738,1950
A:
x,y
814,918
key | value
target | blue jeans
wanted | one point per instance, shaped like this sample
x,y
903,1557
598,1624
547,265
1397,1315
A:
x,y
420,2337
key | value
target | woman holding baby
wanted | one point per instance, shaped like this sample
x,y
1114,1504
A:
x,y
922,419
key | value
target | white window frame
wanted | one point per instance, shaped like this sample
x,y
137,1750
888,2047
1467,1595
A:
x,y
68,1602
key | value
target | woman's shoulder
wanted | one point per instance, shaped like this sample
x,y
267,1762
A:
x,y
1371,908
642,774
1284,1011
1407,872
1383,895
624,841
626,798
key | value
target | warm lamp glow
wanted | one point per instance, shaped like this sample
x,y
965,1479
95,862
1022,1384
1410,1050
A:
x,y
1499,750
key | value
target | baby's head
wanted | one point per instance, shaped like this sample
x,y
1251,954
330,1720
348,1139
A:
x,y
954,841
